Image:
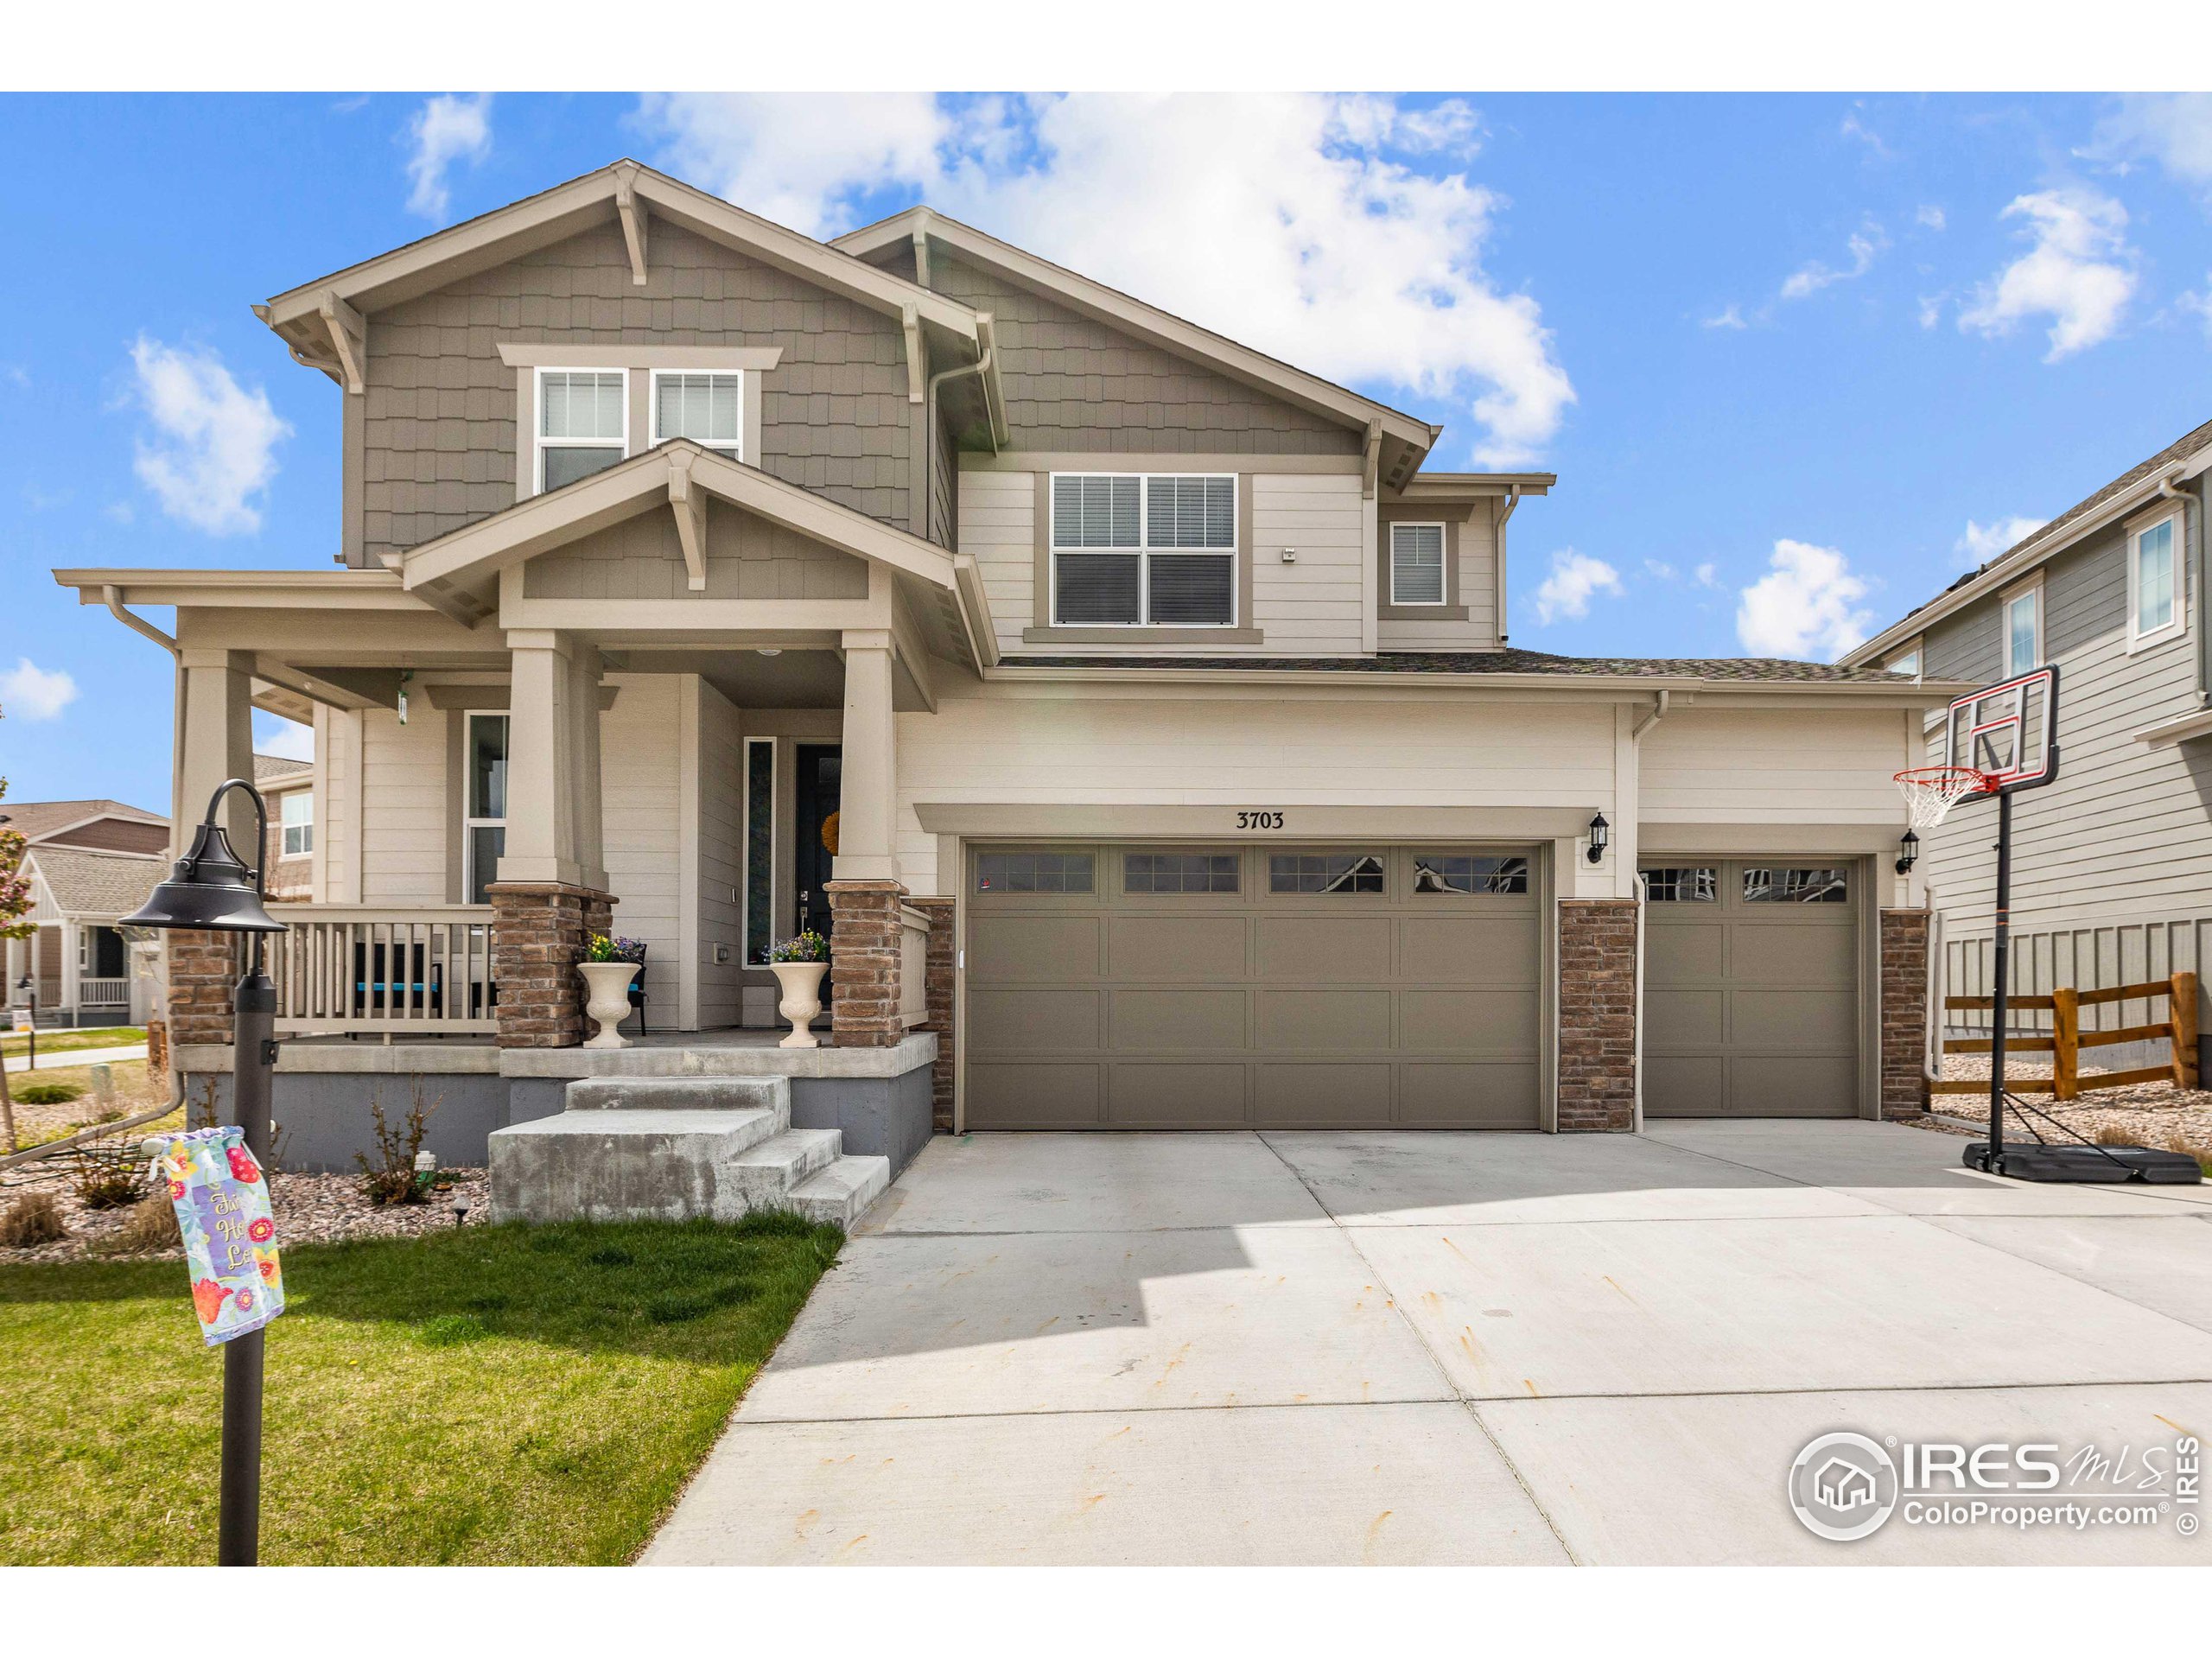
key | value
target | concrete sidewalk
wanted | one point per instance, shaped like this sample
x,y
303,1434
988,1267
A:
x,y
1322,1348
50,1061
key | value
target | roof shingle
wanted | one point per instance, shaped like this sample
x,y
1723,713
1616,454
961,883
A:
x,y
1766,670
95,884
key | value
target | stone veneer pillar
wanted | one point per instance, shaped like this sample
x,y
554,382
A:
x,y
865,946
1904,1013
941,960
539,930
202,978
1597,1014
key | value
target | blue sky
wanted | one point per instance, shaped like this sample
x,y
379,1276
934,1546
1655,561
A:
x,y
1795,359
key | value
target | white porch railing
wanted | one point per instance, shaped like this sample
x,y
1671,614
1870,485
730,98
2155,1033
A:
x,y
913,968
103,993
424,971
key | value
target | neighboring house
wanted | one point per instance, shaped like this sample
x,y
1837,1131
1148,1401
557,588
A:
x,y
2112,866
89,862
1135,710
289,787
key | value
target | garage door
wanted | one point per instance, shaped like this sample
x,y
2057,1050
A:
x,y
1751,999
1158,987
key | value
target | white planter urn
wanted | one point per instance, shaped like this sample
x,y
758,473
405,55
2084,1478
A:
x,y
607,999
801,985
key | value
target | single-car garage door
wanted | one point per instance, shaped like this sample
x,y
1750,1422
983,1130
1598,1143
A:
x,y
1159,988
1752,1000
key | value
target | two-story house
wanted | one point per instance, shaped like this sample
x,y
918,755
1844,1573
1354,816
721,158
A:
x,y
1133,710
88,864
2111,870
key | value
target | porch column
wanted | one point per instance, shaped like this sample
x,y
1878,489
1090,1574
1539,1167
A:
x,y
864,890
552,894
215,689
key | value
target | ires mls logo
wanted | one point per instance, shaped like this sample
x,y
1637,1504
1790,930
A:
x,y
1844,1486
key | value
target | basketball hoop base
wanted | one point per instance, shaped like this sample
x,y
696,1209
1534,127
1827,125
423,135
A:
x,y
2114,1166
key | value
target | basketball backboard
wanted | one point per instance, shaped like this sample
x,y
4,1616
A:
x,y
2007,731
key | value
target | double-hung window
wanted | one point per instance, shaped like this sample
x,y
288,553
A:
x,y
707,409
1417,564
2153,581
583,419
484,830
1132,550
296,810
2023,613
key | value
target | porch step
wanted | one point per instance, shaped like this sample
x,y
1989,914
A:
x,y
844,1192
679,1094
768,1174
638,1165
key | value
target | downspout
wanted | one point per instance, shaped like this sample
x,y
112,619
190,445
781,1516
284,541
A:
x,y
1636,736
2193,538
980,365
1512,500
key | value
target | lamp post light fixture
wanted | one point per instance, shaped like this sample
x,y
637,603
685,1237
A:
x,y
1600,834
1908,853
211,890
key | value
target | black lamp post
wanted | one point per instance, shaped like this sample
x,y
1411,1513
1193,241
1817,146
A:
x,y
1600,834
211,890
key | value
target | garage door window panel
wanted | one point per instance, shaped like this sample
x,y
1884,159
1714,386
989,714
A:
x,y
1181,872
1455,873
1034,872
1788,886
1682,884
1313,873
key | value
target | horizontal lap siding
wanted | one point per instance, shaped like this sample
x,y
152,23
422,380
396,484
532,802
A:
x,y
1315,605
440,430
1477,537
403,806
1702,765
639,779
722,856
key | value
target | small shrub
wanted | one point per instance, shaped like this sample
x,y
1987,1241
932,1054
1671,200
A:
x,y
2180,1143
2111,1134
48,1094
151,1225
390,1177
35,1218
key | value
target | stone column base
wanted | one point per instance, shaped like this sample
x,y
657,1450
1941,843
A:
x,y
1904,1013
864,954
942,957
1597,1014
539,930
202,978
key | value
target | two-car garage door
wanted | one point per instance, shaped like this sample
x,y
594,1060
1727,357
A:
x,y
1240,987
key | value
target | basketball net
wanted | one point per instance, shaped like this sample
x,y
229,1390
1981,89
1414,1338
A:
x,y
1931,792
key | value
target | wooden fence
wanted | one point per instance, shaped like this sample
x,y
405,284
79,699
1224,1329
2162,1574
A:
x,y
2066,1038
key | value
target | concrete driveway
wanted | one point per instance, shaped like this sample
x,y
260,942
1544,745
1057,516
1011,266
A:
x,y
1295,1348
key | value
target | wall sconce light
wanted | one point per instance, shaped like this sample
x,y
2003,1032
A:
x,y
1908,853
1600,833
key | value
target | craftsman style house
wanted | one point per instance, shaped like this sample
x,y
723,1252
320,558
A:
x,y
2112,882
1135,711
88,863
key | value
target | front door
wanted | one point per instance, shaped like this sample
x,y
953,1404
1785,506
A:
x,y
818,771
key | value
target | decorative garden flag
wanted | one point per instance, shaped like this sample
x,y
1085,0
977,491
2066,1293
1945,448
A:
x,y
230,1235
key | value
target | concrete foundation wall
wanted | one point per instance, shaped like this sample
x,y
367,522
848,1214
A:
x,y
887,1118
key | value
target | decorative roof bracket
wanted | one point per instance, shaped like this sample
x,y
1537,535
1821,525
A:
x,y
688,503
349,340
633,210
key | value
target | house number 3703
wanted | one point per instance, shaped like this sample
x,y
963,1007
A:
x,y
1259,820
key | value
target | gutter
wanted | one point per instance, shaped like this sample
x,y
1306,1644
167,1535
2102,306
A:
x,y
982,365
1658,712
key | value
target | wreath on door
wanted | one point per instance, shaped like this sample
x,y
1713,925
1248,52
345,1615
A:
x,y
829,835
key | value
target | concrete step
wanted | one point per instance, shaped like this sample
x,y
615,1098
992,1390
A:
x,y
634,1165
768,1173
680,1095
844,1192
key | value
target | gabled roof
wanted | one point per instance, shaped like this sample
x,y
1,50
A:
x,y
2189,455
1510,663
36,820
276,768
668,475
1410,436
95,884
320,320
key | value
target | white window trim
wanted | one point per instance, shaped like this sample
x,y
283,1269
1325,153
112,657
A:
x,y
1916,648
539,442
469,823
1233,552
2005,601
655,437
2173,627
305,824
1443,573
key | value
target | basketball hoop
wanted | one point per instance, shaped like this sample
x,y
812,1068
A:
x,y
1931,792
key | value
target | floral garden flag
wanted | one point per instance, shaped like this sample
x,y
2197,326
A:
x,y
230,1235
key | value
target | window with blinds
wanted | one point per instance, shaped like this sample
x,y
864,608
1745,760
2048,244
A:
x,y
1417,564
582,423
1134,551
707,409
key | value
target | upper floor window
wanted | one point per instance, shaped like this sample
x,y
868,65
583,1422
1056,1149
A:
x,y
1130,550
297,812
1417,564
2023,613
583,417
707,409
1905,662
2153,595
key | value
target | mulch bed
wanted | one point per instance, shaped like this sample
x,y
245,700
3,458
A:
x,y
2146,1113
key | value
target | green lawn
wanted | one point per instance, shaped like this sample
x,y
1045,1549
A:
x,y
18,1043
494,1394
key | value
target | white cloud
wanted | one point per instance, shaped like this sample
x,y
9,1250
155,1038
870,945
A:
x,y
1706,577
29,692
1980,543
1574,578
1292,222
2080,272
2199,305
2172,129
1931,310
1805,606
286,738
446,129
1929,217
1854,128
215,443
1809,279
1729,316
1660,569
